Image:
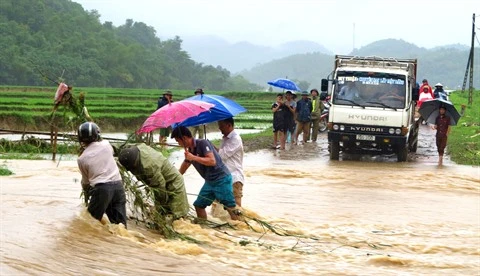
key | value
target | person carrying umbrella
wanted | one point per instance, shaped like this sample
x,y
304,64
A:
x,y
218,180
442,125
290,124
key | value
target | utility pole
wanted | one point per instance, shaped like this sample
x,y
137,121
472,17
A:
x,y
470,66
353,47
470,88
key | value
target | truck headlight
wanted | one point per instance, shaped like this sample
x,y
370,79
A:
x,y
398,131
391,131
342,127
335,127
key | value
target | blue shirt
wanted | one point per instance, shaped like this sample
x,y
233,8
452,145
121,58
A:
x,y
304,110
202,147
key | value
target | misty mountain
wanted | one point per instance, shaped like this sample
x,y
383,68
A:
x,y
453,46
243,55
390,48
445,64
310,67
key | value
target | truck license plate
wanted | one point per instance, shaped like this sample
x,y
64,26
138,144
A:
x,y
365,137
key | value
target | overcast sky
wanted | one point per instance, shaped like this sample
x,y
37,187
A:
x,y
338,25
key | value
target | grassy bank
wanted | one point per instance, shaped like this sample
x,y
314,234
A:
x,y
4,170
464,139
254,141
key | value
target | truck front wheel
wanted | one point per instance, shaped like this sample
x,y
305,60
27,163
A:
x,y
402,153
334,150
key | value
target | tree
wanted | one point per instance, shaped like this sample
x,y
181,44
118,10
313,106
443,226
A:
x,y
60,38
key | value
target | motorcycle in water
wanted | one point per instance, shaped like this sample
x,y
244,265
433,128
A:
x,y
324,116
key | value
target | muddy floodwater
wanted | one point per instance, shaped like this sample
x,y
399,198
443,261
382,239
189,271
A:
x,y
363,215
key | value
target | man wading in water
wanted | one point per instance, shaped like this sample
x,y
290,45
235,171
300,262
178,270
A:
x,y
218,181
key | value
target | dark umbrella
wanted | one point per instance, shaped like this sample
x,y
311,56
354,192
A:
x,y
284,84
430,111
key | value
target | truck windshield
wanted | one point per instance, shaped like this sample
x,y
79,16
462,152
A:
x,y
370,89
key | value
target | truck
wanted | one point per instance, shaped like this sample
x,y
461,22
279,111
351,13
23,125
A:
x,y
372,108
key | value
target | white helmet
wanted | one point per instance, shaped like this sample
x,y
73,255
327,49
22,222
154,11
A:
x,y
438,85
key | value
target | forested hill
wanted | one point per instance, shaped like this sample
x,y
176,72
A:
x,y
59,39
442,64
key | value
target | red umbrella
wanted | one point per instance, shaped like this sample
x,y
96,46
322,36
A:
x,y
172,113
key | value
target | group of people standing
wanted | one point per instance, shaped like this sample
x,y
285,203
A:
x,y
292,118
221,168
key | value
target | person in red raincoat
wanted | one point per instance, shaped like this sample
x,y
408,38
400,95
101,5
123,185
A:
x,y
425,84
424,96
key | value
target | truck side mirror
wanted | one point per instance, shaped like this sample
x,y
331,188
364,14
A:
x,y
324,85
415,93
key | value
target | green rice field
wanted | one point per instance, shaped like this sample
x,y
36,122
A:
x,y
120,110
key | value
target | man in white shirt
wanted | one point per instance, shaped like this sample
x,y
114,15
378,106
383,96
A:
x,y
231,152
101,180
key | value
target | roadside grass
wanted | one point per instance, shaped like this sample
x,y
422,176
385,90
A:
x,y
4,171
34,146
464,139
19,155
254,141
257,141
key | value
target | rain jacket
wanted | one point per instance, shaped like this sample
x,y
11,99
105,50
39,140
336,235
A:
x,y
317,108
157,172
424,96
304,110
429,89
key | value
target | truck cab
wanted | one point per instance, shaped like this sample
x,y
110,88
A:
x,y
372,106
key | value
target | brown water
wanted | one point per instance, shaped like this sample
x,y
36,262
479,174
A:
x,y
360,216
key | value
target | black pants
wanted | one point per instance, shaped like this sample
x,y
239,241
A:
x,y
108,198
441,144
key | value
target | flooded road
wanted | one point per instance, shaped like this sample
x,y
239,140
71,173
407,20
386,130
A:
x,y
363,215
